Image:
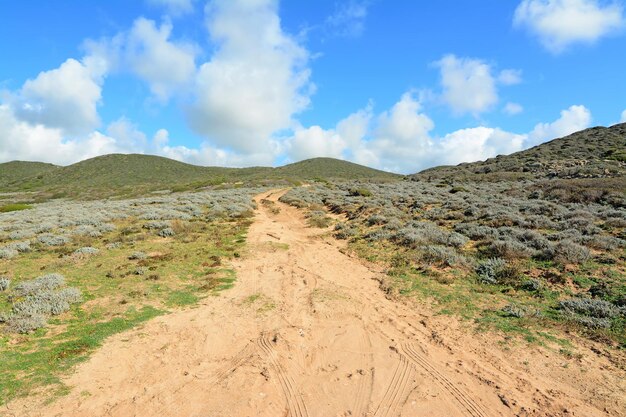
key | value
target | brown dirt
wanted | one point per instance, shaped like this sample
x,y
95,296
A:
x,y
306,331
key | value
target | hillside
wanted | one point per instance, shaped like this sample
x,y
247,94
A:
x,y
330,168
120,174
17,171
592,153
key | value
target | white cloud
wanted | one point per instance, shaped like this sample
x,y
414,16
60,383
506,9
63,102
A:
x,y
174,7
20,140
148,51
404,122
561,23
623,118
510,77
256,80
167,66
512,109
468,84
348,19
474,144
400,138
573,119
127,136
66,97
354,127
315,142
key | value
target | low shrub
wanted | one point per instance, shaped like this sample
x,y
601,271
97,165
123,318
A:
x,y
7,253
456,240
47,302
489,270
360,192
512,310
156,225
87,250
377,235
53,240
4,283
441,255
531,285
167,232
43,283
497,271
590,307
137,256
509,249
21,247
567,251
16,323
376,219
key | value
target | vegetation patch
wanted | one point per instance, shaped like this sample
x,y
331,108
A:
x,y
14,207
501,255
74,273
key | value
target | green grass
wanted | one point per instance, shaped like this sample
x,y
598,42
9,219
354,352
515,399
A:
x,y
181,298
182,270
456,292
41,361
14,207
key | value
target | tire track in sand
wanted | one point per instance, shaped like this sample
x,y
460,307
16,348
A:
x,y
366,379
220,375
295,404
397,391
466,402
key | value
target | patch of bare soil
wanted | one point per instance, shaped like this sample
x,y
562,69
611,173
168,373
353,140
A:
x,y
306,331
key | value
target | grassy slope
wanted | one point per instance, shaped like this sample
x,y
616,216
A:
x,y
135,174
330,168
588,153
17,171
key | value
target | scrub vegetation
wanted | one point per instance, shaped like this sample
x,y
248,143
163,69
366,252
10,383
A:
x,y
73,273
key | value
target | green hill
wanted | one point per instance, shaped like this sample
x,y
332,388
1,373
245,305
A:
x,y
16,171
134,174
331,168
598,152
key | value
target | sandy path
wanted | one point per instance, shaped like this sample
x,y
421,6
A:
x,y
306,331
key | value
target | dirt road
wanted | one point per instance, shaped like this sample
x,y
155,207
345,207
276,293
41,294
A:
x,y
306,331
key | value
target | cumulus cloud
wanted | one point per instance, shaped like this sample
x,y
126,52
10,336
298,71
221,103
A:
x,y
256,80
348,19
623,118
315,142
474,144
147,50
174,7
512,109
468,84
65,98
165,65
573,119
561,23
400,139
21,140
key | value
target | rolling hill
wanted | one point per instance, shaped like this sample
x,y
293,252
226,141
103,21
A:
x,y
598,152
16,171
330,168
126,174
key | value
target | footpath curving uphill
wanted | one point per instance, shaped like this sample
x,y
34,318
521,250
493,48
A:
x,y
306,331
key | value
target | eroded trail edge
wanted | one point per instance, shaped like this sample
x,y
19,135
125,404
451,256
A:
x,y
306,331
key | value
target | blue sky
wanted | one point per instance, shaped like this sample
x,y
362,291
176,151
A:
x,y
396,85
